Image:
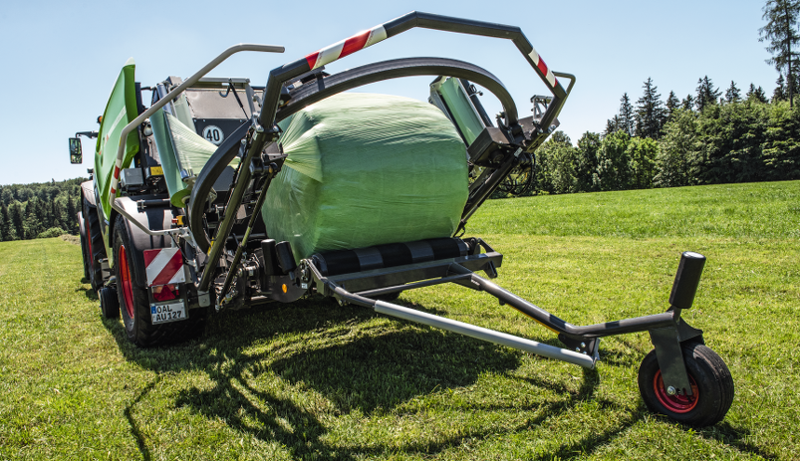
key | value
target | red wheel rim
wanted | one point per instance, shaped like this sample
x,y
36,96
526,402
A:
x,y
125,283
676,403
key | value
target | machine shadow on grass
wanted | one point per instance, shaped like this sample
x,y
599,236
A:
x,y
355,365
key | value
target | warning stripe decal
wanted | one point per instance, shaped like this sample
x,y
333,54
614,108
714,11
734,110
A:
x,y
548,74
164,266
346,47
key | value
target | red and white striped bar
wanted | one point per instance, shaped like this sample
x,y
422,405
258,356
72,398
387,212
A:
x,y
346,47
164,266
551,79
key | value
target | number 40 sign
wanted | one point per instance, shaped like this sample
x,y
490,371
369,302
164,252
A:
x,y
213,134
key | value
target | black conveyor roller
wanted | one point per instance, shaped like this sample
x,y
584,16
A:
x,y
389,255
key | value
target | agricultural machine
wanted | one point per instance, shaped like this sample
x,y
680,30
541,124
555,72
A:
x,y
224,195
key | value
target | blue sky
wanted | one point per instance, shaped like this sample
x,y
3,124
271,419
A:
x,y
60,59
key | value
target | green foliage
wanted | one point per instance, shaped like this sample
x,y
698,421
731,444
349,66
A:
x,y
781,147
586,161
732,94
673,103
626,115
707,94
613,163
27,210
52,232
688,102
650,112
555,165
756,94
741,140
676,149
783,39
642,155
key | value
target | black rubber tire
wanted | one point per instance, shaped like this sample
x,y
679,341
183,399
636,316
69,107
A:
x,y
138,326
84,252
109,303
711,376
95,242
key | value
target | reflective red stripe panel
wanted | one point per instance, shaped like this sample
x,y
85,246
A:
x,y
355,43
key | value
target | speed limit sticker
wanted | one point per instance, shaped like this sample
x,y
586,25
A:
x,y
213,134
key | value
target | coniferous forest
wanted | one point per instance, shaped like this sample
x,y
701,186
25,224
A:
x,y
40,210
707,138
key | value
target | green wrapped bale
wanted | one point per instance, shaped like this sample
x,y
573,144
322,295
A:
x,y
364,170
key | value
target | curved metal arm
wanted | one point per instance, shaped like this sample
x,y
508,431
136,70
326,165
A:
x,y
170,96
397,68
286,73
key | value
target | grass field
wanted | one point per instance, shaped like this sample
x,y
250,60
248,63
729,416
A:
x,y
313,380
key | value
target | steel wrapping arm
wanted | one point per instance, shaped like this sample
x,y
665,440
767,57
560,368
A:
x,y
367,38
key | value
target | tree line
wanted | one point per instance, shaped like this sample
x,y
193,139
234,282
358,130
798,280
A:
x,y
39,210
706,138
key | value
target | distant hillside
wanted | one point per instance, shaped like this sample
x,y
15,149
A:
x,y
28,211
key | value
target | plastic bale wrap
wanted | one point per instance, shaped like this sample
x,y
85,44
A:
x,y
366,170
193,151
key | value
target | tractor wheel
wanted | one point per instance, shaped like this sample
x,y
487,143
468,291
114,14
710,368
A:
x,y
95,251
134,302
84,247
711,381
109,303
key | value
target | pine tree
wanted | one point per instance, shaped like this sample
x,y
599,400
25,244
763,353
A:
x,y
586,161
706,93
672,103
17,221
71,220
650,112
783,38
613,125
732,94
688,102
626,115
756,94
780,90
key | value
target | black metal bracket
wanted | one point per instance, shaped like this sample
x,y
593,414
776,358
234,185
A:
x,y
667,340
667,343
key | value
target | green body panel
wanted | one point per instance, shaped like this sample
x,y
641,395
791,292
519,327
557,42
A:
x,y
366,170
176,188
120,110
461,109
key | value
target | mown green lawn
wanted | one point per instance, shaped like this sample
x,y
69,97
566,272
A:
x,y
313,380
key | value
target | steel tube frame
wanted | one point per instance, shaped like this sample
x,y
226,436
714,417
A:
x,y
483,334
667,329
636,324
170,96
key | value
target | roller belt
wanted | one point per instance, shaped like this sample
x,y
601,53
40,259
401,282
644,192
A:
x,y
389,255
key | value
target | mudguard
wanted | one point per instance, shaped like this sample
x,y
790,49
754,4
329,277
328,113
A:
x,y
87,190
153,218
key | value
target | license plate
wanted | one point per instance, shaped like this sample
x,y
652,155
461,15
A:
x,y
156,171
164,313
